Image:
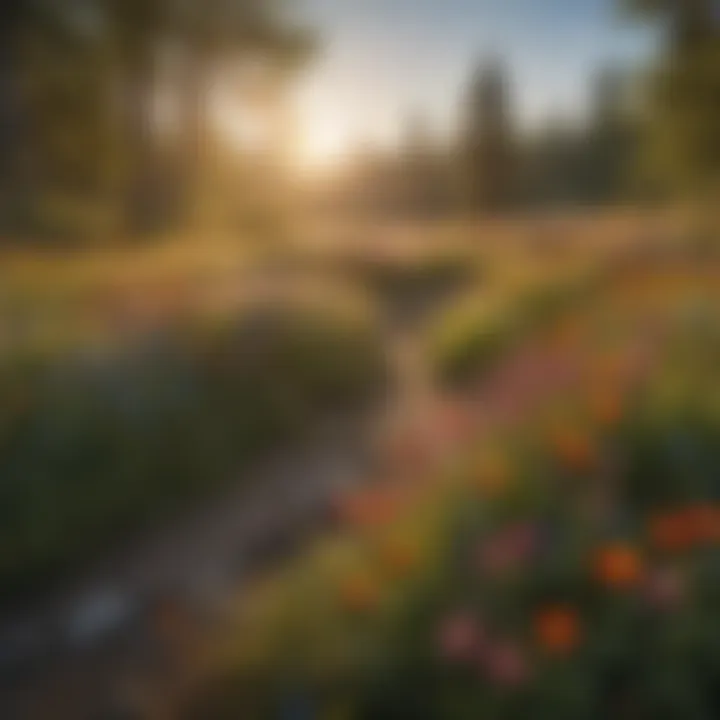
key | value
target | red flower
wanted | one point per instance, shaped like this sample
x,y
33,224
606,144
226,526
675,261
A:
x,y
557,629
705,521
672,531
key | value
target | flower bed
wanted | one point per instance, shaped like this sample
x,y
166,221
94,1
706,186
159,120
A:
x,y
560,561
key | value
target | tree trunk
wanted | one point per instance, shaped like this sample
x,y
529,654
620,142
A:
x,y
140,187
192,135
14,169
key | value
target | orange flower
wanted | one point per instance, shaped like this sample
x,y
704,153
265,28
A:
x,y
574,449
557,629
618,566
359,594
710,524
703,521
672,531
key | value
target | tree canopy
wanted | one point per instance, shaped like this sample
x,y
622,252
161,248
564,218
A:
x,y
79,86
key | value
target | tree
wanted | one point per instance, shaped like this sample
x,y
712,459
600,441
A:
x,y
19,17
210,33
488,141
610,143
684,143
79,88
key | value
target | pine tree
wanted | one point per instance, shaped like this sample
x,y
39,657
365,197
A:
x,y
488,141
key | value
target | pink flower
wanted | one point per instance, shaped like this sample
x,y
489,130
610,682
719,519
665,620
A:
x,y
508,549
459,637
505,663
665,588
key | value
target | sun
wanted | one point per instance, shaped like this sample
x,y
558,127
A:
x,y
323,146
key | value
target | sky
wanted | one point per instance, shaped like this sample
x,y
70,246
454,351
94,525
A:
x,y
383,61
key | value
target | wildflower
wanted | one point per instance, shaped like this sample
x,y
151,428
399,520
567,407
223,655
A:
x,y
665,588
505,663
671,531
508,549
705,521
459,637
618,566
557,629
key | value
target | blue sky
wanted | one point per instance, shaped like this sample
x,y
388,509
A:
x,y
383,60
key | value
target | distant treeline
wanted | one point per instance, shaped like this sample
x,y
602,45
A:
x,y
106,109
651,134
490,166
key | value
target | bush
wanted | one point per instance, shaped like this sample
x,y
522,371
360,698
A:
x,y
413,277
471,336
469,339
96,444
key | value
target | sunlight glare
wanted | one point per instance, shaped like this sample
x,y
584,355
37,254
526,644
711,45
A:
x,y
323,146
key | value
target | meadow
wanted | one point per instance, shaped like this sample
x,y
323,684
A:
x,y
547,544
524,484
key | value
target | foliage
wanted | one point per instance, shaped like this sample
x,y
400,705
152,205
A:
x,y
80,85
95,442
408,280
683,148
471,337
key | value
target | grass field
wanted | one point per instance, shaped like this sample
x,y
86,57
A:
x,y
137,382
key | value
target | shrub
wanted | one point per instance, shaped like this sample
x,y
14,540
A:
x,y
410,278
471,336
97,443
